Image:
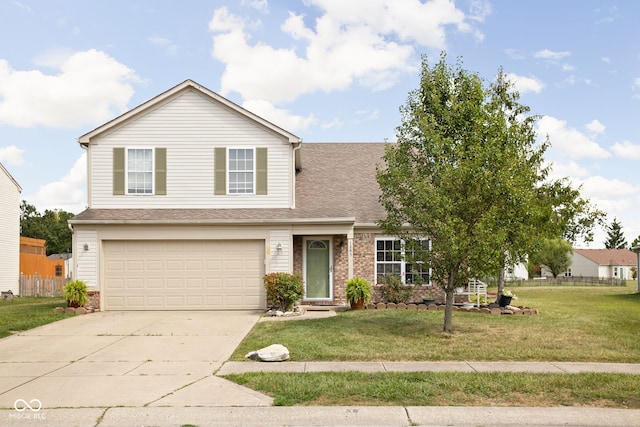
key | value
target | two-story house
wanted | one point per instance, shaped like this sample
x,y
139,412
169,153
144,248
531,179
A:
x,y
192,199
9,232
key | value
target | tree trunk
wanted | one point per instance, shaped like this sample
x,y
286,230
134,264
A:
x,y
448,308
500,283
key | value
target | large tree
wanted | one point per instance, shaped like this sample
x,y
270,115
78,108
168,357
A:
x,y
555,254
615,236
50,226
467,172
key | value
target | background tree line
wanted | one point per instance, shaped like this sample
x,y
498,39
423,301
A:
x,y
51,226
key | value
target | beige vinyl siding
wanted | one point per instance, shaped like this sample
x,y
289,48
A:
x,y
86,260
280,261
190,127
10,232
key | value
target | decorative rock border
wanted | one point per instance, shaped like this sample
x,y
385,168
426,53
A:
x,y
521,310
71,310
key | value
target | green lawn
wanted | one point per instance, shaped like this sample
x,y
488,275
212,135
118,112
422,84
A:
x,y
22,313
598,324
575,324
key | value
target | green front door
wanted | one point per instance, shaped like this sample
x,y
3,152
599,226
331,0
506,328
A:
x,y
318,270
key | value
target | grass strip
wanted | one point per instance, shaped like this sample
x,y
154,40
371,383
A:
x,y
446,389
23,313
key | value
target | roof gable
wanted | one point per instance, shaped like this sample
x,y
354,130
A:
x,y
609,256
166,96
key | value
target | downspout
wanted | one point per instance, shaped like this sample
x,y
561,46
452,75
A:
x,y
296,147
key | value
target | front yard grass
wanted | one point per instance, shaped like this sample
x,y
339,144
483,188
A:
x,y
575,324
579,324
446,389
22,313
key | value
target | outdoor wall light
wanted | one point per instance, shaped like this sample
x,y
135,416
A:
x,y
279,247
86,246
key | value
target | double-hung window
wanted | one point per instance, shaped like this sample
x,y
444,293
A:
x,y
241,171
396,257
139,171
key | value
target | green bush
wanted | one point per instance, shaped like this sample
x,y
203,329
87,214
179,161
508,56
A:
x,y
76,293
393,290
283,289
358,289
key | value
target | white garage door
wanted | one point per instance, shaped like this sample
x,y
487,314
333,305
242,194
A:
x,y
184,275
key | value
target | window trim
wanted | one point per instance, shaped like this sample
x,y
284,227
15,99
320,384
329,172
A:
x,y
126,171
229,171
403,262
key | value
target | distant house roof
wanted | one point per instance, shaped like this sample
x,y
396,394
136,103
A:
x,y
609,256
337,183
63,257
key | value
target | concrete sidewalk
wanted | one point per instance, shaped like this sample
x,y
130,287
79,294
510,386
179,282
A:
x,y
540,367
326,416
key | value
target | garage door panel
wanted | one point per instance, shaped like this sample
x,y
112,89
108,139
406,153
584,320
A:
x,y
189,275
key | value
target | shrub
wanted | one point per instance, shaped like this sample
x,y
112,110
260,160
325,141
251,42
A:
x,y
358,289
76,293
283,289
393,290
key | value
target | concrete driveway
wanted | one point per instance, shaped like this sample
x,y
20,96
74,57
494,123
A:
x,y
127,359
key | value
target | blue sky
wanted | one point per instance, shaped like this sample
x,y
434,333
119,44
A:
x,y
326,70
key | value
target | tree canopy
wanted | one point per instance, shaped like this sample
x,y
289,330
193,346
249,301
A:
x,y
51,226
555,254
467,173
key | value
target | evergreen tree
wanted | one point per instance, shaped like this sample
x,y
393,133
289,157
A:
x,y
615,237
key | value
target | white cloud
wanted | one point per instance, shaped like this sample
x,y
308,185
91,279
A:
x,y
367,44
278,116
569,141
11,155
336,122
569,169
90,87
67,193
525,84
259,5
551,55
627,150
596,127
611,195
367,115
167,45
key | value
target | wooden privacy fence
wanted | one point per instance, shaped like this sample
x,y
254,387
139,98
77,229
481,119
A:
x,y
41,286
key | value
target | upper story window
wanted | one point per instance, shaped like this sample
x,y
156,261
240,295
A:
x,y
139,171
396,257
241,171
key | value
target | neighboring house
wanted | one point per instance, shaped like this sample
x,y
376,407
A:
x,y
603,263
192,199
66,261
34,260
9,232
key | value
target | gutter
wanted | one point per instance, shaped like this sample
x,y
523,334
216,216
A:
x,y
310,221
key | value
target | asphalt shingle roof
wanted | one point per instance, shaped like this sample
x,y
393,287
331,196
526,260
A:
x,y
337,180
609,256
